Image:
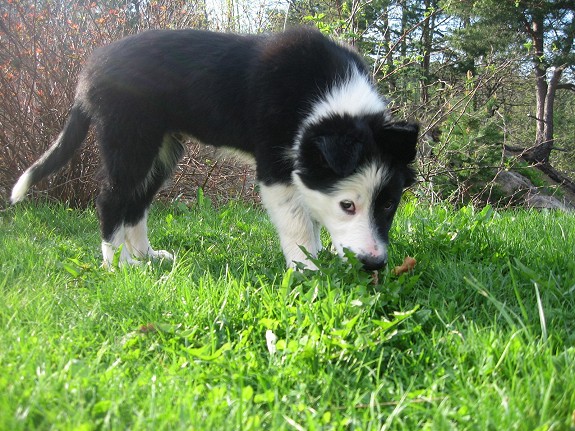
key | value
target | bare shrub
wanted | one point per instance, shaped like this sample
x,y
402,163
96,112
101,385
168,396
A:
x,y
43,45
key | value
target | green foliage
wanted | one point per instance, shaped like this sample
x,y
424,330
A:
x,y
478,336
471,148
329,27
564,125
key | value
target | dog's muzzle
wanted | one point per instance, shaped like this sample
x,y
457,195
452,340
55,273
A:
x,y
372,263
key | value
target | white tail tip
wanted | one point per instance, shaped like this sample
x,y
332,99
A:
x,y
20,188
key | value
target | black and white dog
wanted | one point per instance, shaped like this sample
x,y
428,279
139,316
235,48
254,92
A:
x,y
301,105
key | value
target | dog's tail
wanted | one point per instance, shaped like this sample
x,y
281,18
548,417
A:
x,y
61,151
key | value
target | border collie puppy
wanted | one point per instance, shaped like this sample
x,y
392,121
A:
x,y
302,106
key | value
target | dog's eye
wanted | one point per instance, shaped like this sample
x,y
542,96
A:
x,y
347,206
388,205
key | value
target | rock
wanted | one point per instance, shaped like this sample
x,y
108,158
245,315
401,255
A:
x,y
538,200
513,183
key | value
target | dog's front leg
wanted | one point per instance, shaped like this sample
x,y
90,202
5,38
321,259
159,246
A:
x,y
296,229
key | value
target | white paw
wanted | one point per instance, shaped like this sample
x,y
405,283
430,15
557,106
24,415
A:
x,y
119,254
307,264
122,261
160,254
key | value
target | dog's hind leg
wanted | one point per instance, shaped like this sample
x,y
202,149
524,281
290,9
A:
x,y
135,219
135,167
296,229
111,209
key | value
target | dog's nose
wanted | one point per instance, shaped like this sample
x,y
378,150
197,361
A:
x,y
372,263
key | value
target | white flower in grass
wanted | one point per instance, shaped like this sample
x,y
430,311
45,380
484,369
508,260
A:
x,y
271,339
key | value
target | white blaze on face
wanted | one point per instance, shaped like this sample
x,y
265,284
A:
x,y
355,231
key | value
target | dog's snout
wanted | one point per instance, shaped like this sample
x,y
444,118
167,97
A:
x,y
372,262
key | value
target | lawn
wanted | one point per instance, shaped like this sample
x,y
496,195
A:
x,y
480,336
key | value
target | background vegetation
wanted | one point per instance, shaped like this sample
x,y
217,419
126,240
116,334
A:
x,y
491,82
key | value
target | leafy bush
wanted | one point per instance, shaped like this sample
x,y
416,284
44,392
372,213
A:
x,y
471,152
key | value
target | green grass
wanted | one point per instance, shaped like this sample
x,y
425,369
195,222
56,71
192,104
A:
x,y
481,336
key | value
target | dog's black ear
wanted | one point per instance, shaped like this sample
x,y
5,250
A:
x,y
340,153
399,139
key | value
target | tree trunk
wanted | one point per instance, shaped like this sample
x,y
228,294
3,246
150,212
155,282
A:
x,y
427,40
550,102
541,150
388,50
545,135
404,12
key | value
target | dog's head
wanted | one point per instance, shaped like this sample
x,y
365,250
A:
x,y
351,172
